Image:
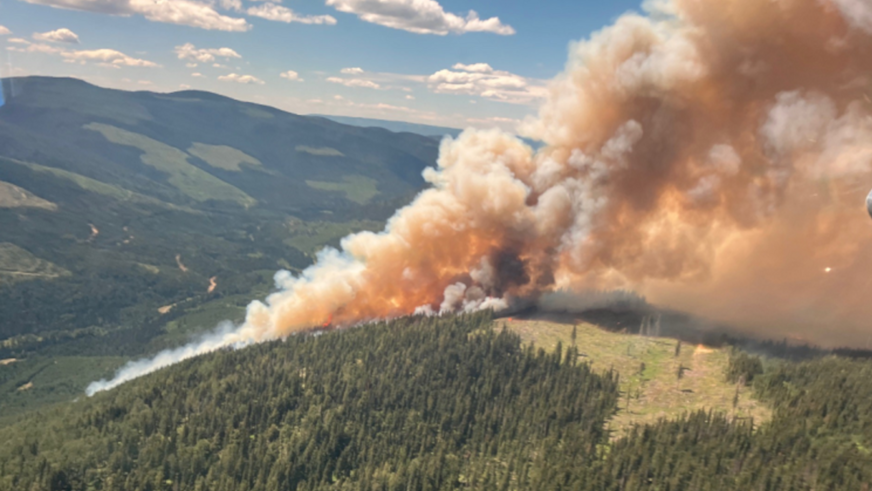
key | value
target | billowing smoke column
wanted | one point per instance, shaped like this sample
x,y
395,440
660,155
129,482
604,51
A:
x,y
712,156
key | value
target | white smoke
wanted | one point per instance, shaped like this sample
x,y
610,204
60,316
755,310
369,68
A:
x,y
135,369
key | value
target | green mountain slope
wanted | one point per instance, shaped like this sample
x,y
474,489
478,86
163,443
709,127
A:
x,y
118,211
397,126
140,141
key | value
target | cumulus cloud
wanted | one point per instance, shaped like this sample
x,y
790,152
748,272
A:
x,y
271,11
35,48
291,75
184,12
242,79
62,35
196,74
231,5
482,80
354,82
419,16
106,57
4,31
190,52
352,71
475,67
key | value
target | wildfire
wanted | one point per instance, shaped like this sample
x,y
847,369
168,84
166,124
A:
x,y
702,350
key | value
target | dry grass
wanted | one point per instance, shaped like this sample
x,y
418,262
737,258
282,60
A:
x,y
17,264
222,156
356,188
12,196
320,152
187,178
656,391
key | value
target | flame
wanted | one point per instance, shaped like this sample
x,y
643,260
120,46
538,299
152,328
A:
x,y
702,350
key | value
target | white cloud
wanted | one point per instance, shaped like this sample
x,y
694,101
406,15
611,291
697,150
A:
x,y
354,82
482,80
191,65
196,74
352,71
184,12
219,65
18,41
242,79
145,82
475,67
410,97
62,35
184,86
4,31
291,75
271,11
190,52
106,57
37,48
419,16
231,5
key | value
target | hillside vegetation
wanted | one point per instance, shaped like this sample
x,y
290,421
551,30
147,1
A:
x,y
649,372
131,221
437,404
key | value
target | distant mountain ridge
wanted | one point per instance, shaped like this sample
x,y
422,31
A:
x,y
395,126
141,141
130,221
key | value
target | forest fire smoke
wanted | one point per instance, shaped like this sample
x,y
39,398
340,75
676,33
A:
x,y
712,155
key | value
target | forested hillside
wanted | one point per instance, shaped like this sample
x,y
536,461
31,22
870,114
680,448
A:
x,y
130,221
436,403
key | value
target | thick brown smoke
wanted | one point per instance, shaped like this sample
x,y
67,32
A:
x,y
713,156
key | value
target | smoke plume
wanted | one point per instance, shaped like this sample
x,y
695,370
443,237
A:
x,y
712,155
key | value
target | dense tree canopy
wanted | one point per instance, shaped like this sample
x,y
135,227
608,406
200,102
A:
x,y
433,404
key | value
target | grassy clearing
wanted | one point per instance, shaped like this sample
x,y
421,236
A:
x,y
222,156
309,237
95,186
207,316
17,264
257,113
203,319
49,381
656,391
12,196
356,188
187,178
319,151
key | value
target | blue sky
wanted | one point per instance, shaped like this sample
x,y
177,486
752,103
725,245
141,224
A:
x,y
424,61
